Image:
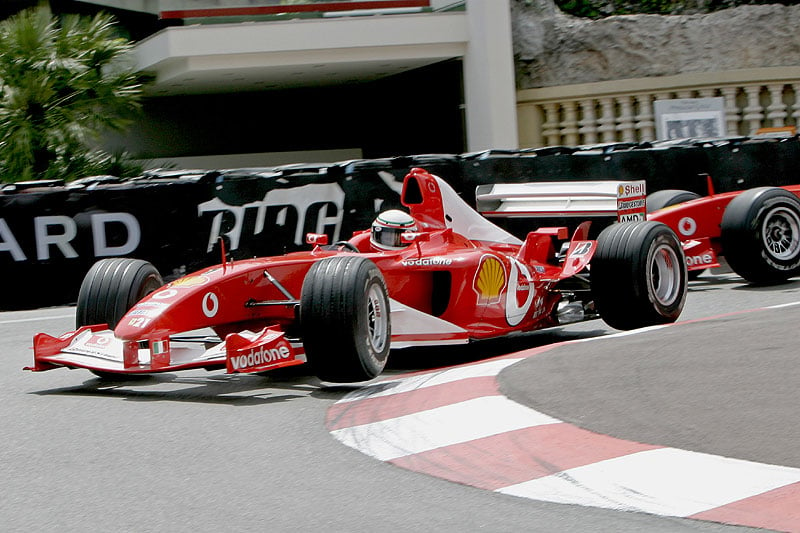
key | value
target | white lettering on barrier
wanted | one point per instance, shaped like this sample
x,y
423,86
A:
x,y
61,239
8,243
46,236
101,248
328,196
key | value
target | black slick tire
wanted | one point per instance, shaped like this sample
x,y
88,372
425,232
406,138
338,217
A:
x,y
638,275
344,319
112,287
760,235
668,197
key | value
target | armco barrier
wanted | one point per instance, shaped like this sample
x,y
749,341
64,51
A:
x,y
51,235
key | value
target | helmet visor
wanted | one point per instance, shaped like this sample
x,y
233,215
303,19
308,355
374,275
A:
x,y
388,237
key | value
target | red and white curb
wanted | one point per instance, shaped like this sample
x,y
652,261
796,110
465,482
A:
x,y
455,424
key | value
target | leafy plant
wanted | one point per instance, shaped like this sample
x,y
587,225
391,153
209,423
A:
x,y
62,83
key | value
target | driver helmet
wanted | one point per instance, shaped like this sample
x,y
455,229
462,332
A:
x,y
387,228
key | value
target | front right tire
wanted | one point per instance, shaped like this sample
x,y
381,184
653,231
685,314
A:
x,y
344,319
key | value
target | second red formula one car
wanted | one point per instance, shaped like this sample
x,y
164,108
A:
x,y
439,274
757,230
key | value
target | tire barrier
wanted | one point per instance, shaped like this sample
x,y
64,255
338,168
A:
x,y
51,233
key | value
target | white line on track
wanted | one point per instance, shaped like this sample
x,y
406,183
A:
x,y
37,319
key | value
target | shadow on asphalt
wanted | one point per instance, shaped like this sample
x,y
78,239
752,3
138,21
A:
x,y
297,382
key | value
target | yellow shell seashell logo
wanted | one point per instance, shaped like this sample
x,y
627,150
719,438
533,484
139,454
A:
x,y
190,281
491,278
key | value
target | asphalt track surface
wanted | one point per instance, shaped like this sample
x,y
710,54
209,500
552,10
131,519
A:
x,y
203,451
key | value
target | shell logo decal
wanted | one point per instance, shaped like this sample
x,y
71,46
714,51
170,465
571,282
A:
x,y
189,281
490,278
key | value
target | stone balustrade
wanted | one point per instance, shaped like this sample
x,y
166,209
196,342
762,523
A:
x,y
622,110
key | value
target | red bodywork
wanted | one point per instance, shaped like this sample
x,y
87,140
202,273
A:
x,y
697,224
461,278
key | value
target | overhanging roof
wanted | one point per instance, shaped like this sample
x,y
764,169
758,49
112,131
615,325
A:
x,y
298,53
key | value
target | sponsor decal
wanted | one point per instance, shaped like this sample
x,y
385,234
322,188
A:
x,y
687,226
98,341
164,294
631,201
703,259
155,305
319,205
582,249
210,304
102,346
631,189
490,278
138,322
189,281
427,261
144,312
260,357
631,204
516,285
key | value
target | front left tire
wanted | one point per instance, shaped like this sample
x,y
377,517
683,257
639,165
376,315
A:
x,y
112,287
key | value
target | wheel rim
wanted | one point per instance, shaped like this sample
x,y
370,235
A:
x,y
780,233
377,318
665,275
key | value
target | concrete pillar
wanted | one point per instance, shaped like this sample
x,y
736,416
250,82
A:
x,y
489,81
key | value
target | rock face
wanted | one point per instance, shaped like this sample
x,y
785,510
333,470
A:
x,y
552,48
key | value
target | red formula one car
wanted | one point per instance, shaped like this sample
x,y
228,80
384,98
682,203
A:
x,y
442,275
757,230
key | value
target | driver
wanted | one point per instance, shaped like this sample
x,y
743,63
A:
x,y
387,228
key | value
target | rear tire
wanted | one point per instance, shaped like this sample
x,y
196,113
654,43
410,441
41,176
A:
x,y
668,197
638,275
344,319
760,235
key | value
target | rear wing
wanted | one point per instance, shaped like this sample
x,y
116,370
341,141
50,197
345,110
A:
x,y
624,200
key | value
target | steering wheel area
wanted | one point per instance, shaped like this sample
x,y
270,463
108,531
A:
x,y
346,246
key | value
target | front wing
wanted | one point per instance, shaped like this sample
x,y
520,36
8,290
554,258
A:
x,y
96,348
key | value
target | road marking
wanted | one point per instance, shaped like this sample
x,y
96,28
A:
x,y
439,427
455,424
666,481
37,319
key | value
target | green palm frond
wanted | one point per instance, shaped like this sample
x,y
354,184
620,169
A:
x,y
62,84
